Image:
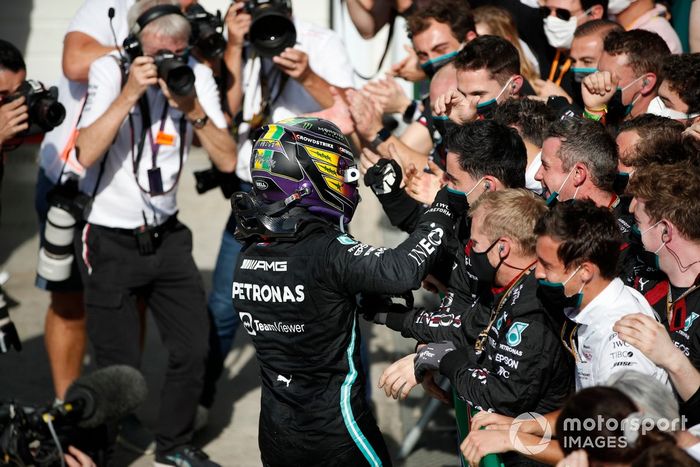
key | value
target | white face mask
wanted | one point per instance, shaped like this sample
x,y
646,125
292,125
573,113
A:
x,y
617,6
657,107
560,33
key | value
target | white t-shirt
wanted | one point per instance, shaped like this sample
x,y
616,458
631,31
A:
x,y
601,352
327,58
530,183
119,201
90,19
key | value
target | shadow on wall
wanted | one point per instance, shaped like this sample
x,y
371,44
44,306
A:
x,y
14,22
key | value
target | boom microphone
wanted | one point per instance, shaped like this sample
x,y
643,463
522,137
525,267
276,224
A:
x,y
106,395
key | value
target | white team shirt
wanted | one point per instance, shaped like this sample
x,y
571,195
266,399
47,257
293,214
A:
x,y
601,352
328,58
90,19
119,201
530,172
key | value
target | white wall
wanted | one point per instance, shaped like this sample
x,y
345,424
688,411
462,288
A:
x,y
38,27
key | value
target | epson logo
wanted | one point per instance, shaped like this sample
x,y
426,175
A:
x,y
262,265
261,185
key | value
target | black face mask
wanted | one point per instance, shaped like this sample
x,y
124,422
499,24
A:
x,y
480,265
554,298
442,125
620,183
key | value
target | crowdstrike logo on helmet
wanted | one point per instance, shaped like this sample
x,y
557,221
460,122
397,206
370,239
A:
x,y
305,163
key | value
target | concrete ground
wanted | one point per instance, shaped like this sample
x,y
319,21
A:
x,y
231,435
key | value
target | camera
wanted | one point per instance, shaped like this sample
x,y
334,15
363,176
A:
x,y
66,206
207,31
209,179
39,435
272,29
174,71
45,112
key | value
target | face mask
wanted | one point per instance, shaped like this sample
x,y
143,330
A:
x,y
434,64
617,6
560,33
554,197
461,195
657,107
616,106
580,73
442,125
485,110
648,257
621,181
482,267
554,297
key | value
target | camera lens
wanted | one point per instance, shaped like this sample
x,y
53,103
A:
x,y
177,75
272,31
48,113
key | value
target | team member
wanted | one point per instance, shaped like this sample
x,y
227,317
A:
x,y
578,245
678,96
664,206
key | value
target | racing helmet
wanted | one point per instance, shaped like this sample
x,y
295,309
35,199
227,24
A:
x,y
305,162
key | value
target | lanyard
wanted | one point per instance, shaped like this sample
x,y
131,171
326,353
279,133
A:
x,y
155,146
571,346
146,129
483,335
555,65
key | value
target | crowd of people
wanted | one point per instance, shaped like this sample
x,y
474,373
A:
x,y
548,179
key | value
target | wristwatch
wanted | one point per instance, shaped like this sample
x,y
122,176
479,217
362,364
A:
x,y
199,123
382,135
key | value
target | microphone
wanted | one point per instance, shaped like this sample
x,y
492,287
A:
x,y
110,15
105,395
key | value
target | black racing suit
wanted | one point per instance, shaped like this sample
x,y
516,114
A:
x,y
523,366
297,299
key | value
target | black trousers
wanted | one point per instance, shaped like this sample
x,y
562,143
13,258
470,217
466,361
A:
x,y
315,448
116,277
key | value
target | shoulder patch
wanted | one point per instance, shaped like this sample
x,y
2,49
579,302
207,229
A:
x,y
346,239
514,335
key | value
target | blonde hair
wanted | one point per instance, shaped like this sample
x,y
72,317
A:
x,y
500,23
511,213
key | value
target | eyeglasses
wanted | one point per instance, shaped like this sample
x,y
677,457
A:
x,y
561,13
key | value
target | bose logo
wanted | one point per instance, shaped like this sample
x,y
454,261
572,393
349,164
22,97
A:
x,y
261,265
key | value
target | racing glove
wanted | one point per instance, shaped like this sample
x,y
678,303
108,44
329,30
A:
x,y
429,357
384,177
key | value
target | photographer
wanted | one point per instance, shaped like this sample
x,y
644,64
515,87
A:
x,y
13,114
133,247
267,83
13,120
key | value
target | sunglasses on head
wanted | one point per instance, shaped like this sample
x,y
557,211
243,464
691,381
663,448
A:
x,y
561,13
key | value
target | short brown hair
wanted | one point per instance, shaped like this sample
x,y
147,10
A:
x,y
586,232
670,191
493,53
645,50
511,213
457,14
659,141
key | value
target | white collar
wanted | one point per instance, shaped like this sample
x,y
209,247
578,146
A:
x,y
610,294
